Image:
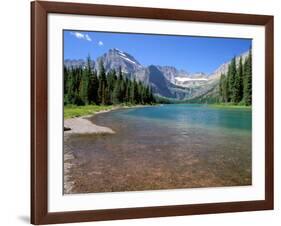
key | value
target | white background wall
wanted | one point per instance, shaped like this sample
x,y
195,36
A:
x,y
14,111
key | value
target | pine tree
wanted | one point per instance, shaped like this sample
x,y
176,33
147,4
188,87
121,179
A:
x,y
93,88
238,84
115,93
248,80
240,80
127,91
136,93
222,77
132,93
72,85
100,92
102,84
65,77
121,90
151,97
223,88
111,79
83,88
106,96
231,79
226,90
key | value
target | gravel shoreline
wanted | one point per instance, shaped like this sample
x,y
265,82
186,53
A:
x,y
78,125
82,125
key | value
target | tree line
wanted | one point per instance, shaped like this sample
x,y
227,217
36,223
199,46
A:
x,y
84,86
236,85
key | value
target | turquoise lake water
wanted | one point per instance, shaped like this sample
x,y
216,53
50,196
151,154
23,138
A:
x,y
164,147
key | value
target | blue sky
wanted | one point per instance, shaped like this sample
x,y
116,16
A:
x,y
193,54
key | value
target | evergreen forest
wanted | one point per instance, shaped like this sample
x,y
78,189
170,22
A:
x,y
236,86
83,86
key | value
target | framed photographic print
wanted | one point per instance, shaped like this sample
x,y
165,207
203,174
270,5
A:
x,y
147,112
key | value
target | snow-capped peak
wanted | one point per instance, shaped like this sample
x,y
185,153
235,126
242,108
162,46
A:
x,y
119,52
122,54
125,56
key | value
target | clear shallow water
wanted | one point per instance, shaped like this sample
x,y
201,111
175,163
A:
x,y
164,147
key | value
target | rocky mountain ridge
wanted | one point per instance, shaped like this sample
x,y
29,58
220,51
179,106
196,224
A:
x,y
166,81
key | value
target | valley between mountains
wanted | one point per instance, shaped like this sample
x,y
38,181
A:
x,y
166,82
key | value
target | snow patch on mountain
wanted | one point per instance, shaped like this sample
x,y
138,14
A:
x,y
122,54
186,79
125,58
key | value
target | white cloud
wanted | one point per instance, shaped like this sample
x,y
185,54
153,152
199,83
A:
x,y
80,35
88,38
100,43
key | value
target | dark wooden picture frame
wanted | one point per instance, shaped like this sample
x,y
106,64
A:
x,y
39,109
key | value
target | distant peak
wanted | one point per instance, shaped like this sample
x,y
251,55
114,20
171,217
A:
x,y
118,51
115,50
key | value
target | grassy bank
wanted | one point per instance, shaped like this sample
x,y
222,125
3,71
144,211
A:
x,y
225,106
71,111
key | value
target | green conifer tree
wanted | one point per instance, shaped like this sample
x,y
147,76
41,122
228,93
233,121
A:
x,y
102,84
248,79
238,84
231,74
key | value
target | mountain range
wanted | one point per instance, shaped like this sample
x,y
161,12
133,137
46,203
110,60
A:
x,y
166,81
